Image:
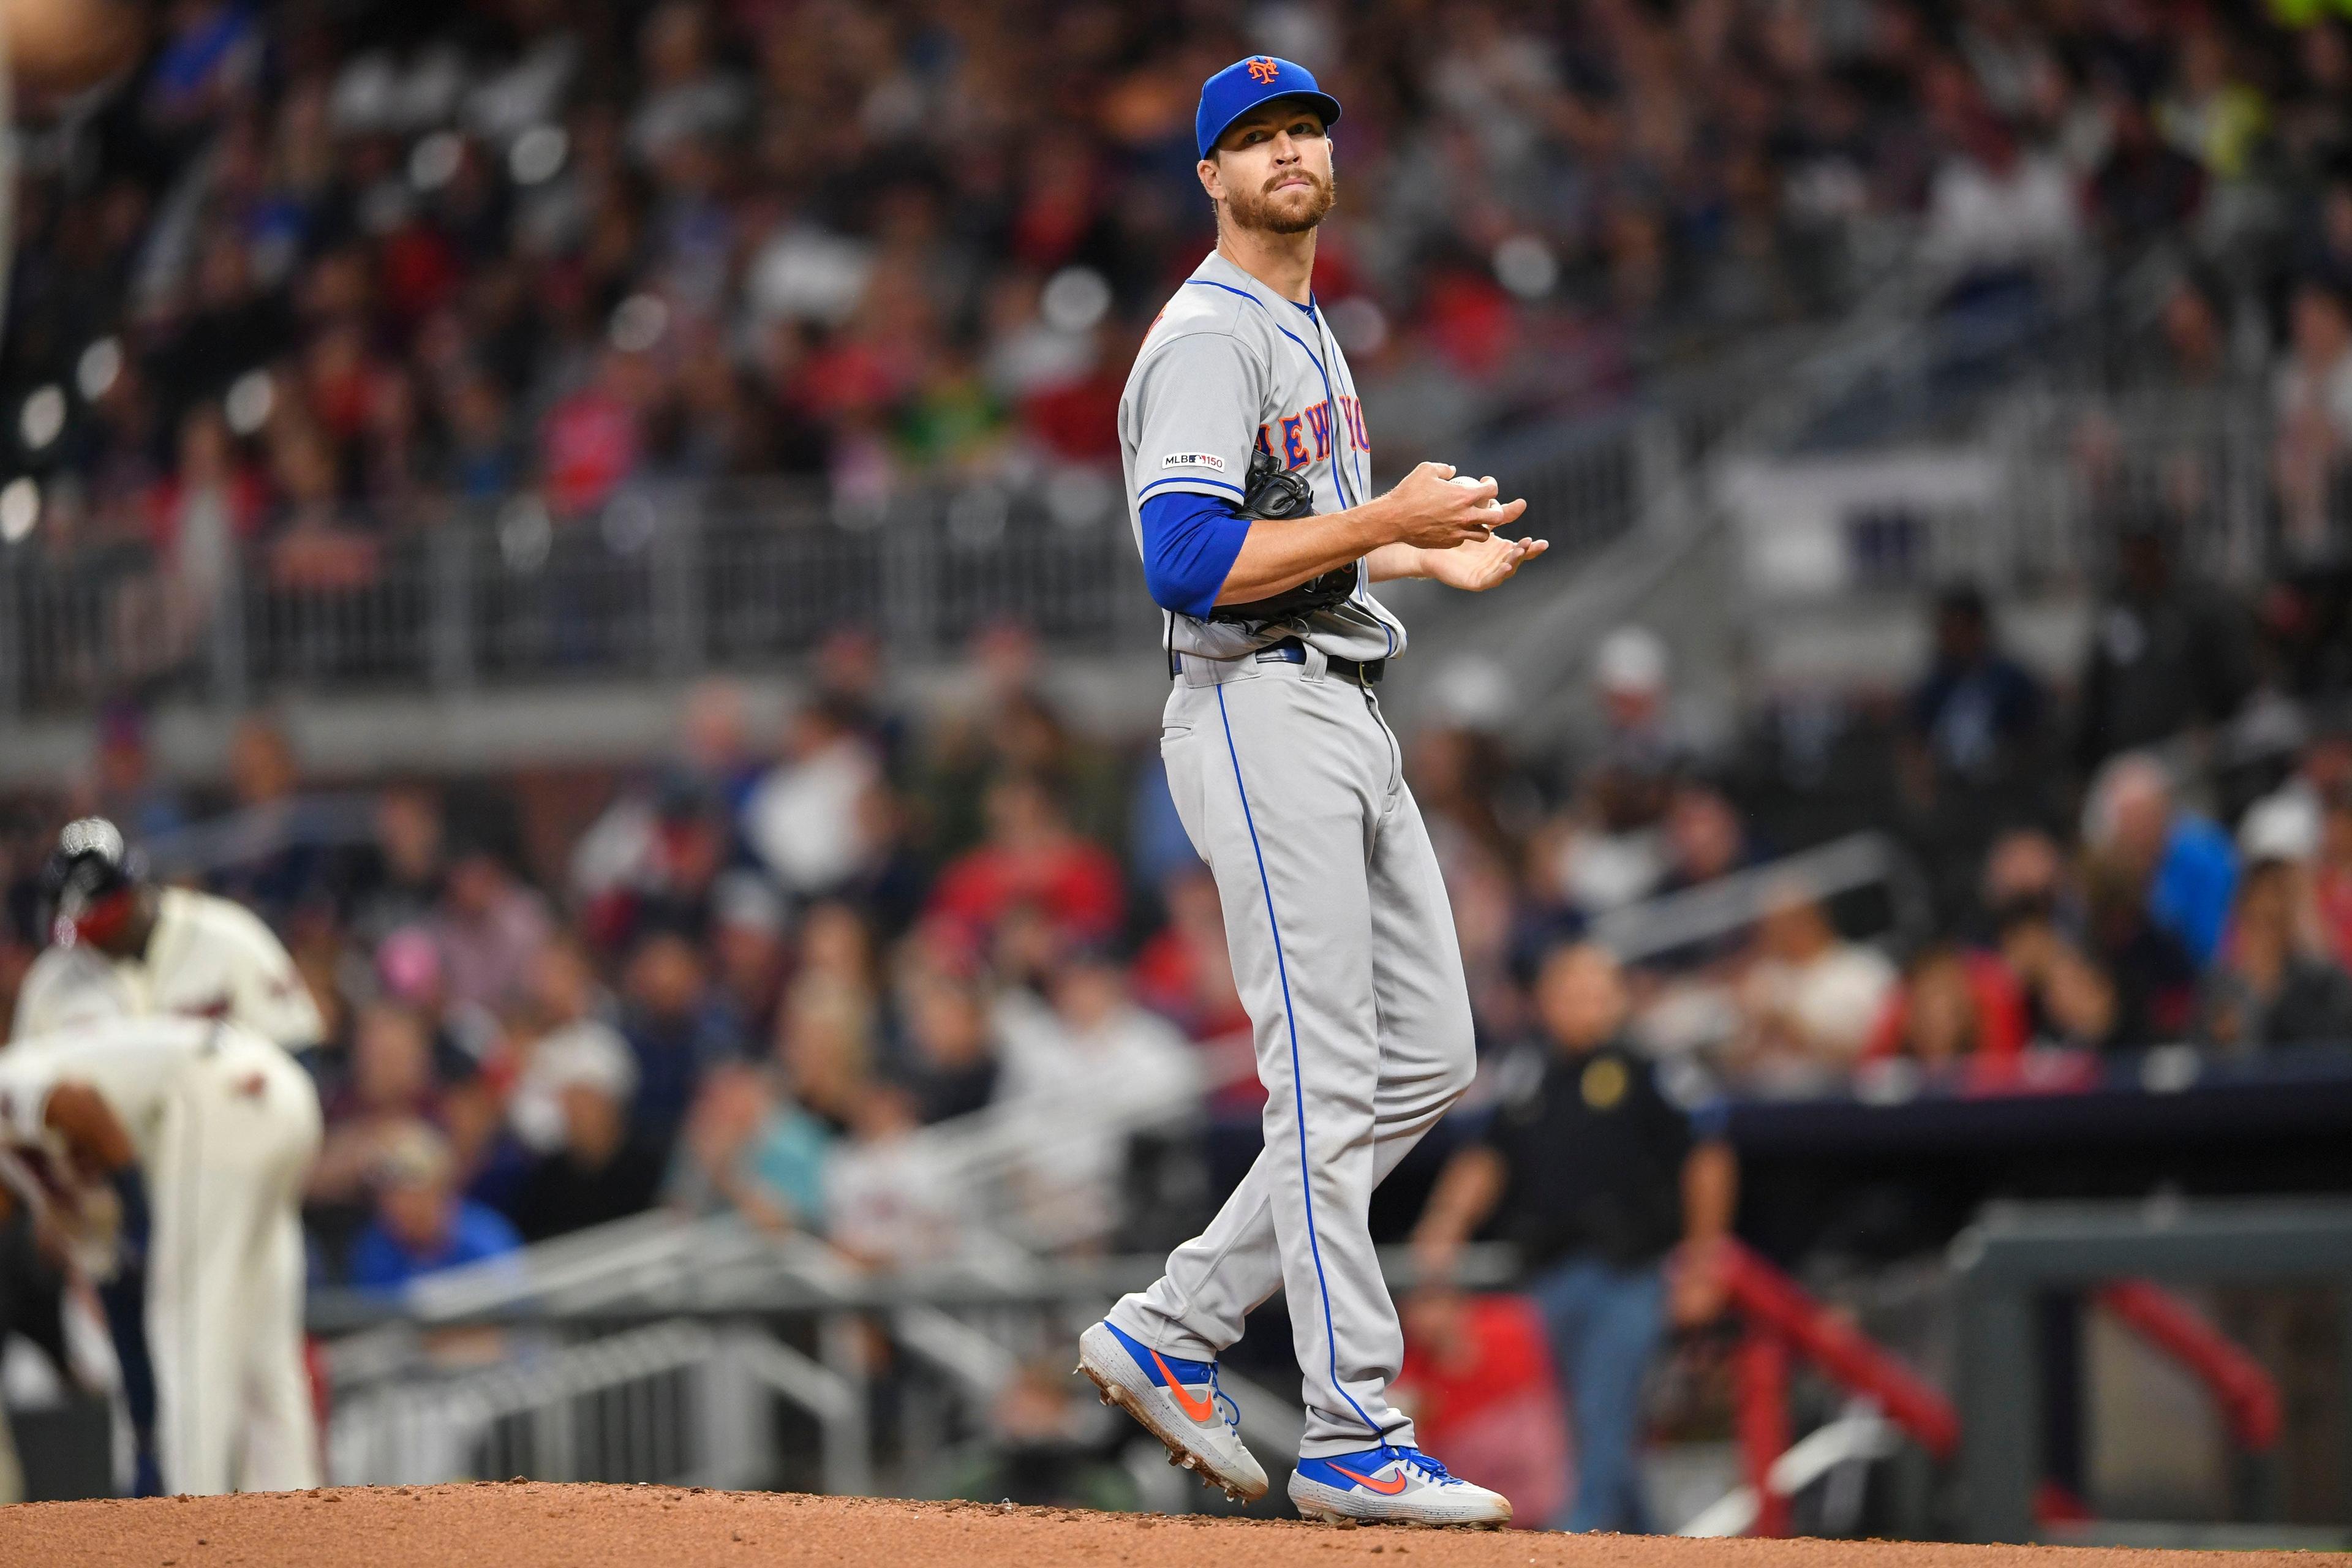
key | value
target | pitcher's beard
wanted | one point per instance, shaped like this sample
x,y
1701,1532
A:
x,y
1259,210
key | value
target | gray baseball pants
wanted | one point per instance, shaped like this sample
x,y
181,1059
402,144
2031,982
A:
x,y
1292,788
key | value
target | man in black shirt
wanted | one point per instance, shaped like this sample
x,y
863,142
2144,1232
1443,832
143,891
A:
x,y
1598,1178
606,1170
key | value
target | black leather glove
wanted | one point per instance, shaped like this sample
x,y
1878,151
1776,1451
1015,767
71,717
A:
x,y
1275,492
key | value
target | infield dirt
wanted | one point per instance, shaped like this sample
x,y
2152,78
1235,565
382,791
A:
x,y
518,1524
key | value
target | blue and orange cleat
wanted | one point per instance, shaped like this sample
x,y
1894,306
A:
x,y
1392,1485
1179,1403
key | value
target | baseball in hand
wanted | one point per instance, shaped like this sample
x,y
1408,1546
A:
x,y
1472,481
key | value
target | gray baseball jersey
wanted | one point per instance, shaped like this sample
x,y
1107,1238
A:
x,y
1292,788
1228,367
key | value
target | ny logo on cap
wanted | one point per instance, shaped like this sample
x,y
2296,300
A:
x,y
1264,69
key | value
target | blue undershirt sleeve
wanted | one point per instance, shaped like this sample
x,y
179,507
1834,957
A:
x,y
1189,543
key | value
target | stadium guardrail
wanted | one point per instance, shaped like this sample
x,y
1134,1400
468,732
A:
x,y
653,1349
2018,1251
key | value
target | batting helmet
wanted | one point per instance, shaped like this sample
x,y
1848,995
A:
x,y
92,879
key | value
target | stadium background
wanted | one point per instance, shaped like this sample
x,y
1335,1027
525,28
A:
x,y
601,524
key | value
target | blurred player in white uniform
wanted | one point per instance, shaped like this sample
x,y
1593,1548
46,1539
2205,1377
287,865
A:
x,y
50,51
122,947
223,1124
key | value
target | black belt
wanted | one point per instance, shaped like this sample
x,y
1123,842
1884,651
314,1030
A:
x,y
1290,651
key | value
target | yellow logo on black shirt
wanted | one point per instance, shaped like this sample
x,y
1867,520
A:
x,y
1605,1083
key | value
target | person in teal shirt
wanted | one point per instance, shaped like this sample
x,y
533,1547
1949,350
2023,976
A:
x,y
752,1151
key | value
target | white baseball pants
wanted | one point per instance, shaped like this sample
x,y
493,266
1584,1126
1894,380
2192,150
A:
x,y
225,1278
1292,788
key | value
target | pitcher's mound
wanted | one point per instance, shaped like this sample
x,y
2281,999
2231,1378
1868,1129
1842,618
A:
x,y
519,1524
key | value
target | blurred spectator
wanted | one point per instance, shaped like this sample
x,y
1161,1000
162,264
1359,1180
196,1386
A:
x,y
747,949
567,1027
2210,112
1704,839
491,929
2146,189
1465,781
1598,1178
803,819
2314,407
404,883
1975,719
2332,872
748,1151
123,786
2165,654
677,1030
890,1203
1185,970
651,858
1185,974
825,1031
2139,837
652,864
2069,1000
2151,973
1085,1071
623,851
1031,856
1613,855
1809,997
2024,866
951,1044
2196,335
400,1074
851,680
1955,1007
602,1169
2275,984
198,518
1997,211
422,1222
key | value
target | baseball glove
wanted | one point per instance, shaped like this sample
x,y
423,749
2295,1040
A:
x,y
1275,492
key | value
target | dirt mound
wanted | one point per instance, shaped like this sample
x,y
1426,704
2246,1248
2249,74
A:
x,y
520,1524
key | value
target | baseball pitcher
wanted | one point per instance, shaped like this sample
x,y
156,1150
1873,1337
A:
x,y
1248,466
222,1125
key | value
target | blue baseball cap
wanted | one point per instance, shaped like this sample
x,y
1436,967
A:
x,y
1244,84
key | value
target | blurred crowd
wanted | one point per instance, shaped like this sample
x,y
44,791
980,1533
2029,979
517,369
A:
x,y
313,271
751,977
908,980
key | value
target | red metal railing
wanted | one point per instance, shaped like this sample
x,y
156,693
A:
x,y
2248,1397
1782,1321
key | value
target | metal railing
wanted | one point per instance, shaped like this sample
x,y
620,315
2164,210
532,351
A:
x,y
2016,1254
1731,903
680,1401
662,580
2060,478
657,1349
666,580
2081,469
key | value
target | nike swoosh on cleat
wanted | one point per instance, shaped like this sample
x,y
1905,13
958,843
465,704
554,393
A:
x,y
1201,1410
1386,1489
